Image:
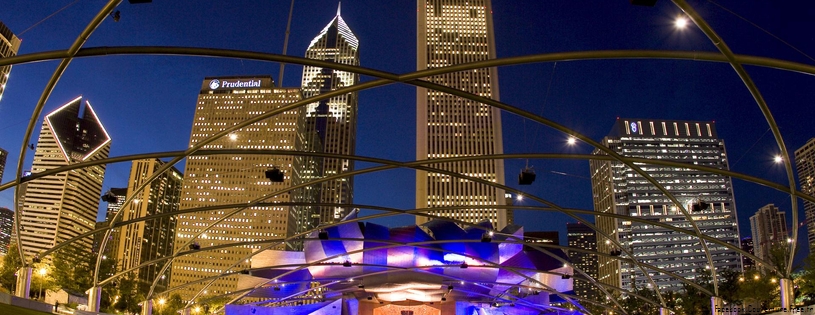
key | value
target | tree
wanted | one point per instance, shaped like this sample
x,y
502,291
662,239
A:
x,y
131,292
171,306
757,289
806,282
11,263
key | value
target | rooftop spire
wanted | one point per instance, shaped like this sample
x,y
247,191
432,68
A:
x,y
339,5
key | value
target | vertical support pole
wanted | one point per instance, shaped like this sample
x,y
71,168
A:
x,y
664,311
786,295
716,305
147,307
94,298
186,311
23,282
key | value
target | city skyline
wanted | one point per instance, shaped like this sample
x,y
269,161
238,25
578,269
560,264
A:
x,y
754,154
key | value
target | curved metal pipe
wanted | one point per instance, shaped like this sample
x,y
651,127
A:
x,y
765,110
49,87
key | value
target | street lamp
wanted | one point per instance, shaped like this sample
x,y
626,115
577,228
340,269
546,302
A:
x,y
571,140
681,22
778,159
42,273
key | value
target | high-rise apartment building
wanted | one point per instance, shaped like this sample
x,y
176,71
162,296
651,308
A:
x,y
120,194
452,32
3,157
62,206
152,239
769,227
6,224
583,237
805,164
233,179
707,197
747,246
328,125
9,45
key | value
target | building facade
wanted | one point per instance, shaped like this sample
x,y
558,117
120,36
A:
x,y
112,208
144,241
805,165
6,226
233,179
747,246
3,157
706,196
327,126
769,227
582,237
62,206
452,32
9,45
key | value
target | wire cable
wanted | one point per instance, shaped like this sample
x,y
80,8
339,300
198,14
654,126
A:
x,y
46,18
762,29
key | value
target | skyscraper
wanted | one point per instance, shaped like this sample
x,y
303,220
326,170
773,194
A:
x,y
152,239
3,156
452,32
235,178
62,206
583,237
113,207
6,224
333,121
9,44
769,227
747,246
805,164
708,197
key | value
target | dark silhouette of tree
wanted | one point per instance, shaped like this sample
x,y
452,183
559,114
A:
x,y
11,263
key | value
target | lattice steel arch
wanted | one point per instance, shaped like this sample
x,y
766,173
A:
x,y
689,10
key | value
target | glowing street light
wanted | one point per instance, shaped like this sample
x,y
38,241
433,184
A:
x,y
42,273
519,197
571,140
681,22
161,301
778,159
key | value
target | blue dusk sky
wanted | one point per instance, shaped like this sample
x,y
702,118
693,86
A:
x,y
147,102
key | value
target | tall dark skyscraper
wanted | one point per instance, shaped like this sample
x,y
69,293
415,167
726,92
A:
x,y
152,239
3,157
6,224
62,206
583,237
805,164
328,126
708,197
747,246
9,45
451,32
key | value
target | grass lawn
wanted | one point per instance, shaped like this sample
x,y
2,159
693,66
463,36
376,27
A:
x,y
16,310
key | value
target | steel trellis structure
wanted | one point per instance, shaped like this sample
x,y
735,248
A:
x,y
413,78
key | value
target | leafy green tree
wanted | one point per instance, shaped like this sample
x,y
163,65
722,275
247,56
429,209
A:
x,y
171,306
758,290
11,263
806,281
131,291
636,306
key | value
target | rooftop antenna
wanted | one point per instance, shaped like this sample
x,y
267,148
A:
x,y
285,45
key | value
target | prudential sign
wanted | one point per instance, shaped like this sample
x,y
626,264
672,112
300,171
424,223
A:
x,y
215,84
